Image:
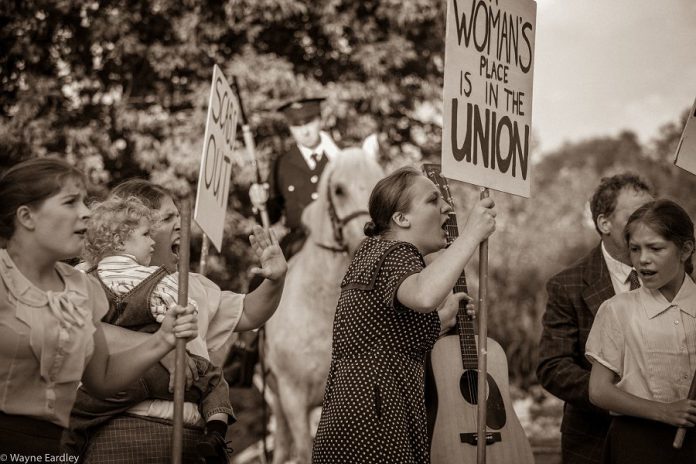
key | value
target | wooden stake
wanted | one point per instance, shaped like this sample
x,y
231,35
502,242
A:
x,y
482,347
251,150
203,261
681,431
180,366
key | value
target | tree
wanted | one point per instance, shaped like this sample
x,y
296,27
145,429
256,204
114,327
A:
x,y
120,88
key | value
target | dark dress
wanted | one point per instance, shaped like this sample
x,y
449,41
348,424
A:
x,y
374,404
633,440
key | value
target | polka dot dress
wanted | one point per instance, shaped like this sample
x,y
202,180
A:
x,y
374,406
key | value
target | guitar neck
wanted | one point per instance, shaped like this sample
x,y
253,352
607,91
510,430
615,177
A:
x,y
465,323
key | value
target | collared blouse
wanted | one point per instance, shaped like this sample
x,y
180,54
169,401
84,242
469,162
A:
x,y
46,340
649,342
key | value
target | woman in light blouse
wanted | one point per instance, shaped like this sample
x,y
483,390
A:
x,y
51,337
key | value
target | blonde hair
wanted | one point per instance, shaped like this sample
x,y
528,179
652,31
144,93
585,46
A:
x,y
111,223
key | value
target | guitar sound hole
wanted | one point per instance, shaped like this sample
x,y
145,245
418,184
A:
x,y
468,385
496,417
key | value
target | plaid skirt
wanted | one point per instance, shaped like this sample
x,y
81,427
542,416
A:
x,y
129,439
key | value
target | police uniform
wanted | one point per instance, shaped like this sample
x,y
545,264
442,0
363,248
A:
x,y
292,182
292,185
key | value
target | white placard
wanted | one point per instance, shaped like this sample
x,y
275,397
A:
x,y
686,150
489,64
216,161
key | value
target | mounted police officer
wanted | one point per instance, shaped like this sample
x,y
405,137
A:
x,y
294,176
292,184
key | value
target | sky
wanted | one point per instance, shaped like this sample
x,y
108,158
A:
x,y
607,65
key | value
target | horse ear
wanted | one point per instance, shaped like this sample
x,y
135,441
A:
x,y
371,146
316,215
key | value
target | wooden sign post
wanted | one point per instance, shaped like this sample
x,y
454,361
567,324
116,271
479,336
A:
x,y
211,206
251,152
180,353
685,158
487,93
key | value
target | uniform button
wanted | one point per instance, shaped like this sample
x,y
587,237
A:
x,y
314,179
676,322
291,188
315,195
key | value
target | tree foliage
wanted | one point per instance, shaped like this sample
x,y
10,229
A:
x,y
120,88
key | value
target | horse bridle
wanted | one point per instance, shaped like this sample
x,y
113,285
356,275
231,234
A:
x,y
337,224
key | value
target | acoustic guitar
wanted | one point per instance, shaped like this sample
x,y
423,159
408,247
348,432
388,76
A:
x,y
452,386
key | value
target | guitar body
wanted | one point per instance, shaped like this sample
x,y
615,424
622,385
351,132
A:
x,y
452,392
452,385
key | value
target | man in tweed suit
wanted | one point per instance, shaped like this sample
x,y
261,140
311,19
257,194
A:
x,y
574,296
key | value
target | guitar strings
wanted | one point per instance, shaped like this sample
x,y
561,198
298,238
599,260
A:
x,y
463,319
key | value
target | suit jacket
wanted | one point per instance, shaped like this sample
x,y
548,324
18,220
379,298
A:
x,y
292,186
574,296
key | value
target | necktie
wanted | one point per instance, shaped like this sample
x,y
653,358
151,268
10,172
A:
x,y
316,157
633,279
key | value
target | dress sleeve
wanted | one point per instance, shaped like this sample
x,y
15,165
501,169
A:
x,y
225,319
399,263
223,309
605,344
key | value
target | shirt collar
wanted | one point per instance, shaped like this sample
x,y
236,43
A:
x,y
122,258
655,303
616,267
326,146
67,305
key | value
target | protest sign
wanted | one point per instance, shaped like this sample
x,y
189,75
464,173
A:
x,y
216,162
489,63
686,150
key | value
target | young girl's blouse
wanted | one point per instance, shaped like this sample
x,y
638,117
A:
x,y
649,342
46,341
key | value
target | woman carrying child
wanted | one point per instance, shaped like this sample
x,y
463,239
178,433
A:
x,y
119,242
143,432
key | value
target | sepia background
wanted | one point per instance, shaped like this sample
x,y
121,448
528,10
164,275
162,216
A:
x,y
120,89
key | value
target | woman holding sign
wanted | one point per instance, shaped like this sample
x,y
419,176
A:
x,y
143,434
390,311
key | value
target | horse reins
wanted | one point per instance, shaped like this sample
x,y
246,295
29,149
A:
x,y
337,223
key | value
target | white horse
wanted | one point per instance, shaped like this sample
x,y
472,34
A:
x,y
298,336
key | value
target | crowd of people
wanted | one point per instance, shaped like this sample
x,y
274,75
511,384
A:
x,y
87,351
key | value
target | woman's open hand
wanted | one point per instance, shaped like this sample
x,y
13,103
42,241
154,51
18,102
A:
x,y
265,245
